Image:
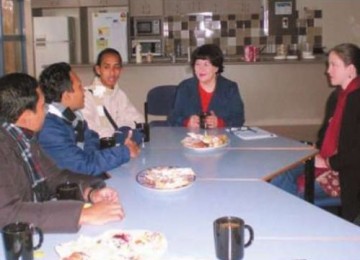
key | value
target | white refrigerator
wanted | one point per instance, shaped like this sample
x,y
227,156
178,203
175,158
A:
x,y
110,30
53,41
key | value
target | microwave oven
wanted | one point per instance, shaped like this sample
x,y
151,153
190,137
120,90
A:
x,y
147,26
153,46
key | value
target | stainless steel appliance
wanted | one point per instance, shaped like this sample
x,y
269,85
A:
x,y
153,46
147,26
54,41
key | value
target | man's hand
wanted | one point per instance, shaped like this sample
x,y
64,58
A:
x,y
104,194
133,147
101,213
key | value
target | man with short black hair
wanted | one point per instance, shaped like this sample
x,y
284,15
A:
x,y
65,135
28,177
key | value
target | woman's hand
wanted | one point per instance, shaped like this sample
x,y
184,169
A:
x,y
212,120
194,121
321,162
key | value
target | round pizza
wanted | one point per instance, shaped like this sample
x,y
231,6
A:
x,y
115,245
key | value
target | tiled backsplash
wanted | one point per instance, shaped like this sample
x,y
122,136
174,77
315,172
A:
x,y
232,32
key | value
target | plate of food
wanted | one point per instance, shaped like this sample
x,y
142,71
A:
x,y
206,142
115,245
166,178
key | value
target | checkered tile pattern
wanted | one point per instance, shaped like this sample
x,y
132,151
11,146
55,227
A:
x,y
232,32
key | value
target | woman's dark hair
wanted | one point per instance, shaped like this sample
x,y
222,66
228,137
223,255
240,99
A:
x,y
17,94
209,52
103,53
349,53
55,80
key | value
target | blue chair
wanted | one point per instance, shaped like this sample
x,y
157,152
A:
x,y
159,102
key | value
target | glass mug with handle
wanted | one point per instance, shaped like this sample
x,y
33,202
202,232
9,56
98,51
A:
x,y
229,235
69,191
202,120
18,240
144,128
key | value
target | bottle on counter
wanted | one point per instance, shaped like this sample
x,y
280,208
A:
x,y
149,57
138,53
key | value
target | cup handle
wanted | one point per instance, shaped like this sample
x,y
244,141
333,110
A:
x,y
41,237
251,237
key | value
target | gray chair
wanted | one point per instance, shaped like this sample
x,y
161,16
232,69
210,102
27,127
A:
x,y
159,102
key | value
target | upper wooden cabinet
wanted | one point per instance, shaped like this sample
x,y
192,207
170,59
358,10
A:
x,y
183,7
104,2
76,3
146,7
54,3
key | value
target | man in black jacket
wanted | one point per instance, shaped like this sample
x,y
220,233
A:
x,y
29,177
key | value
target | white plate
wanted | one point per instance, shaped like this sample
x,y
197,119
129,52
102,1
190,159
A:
x,y
308,57
116,244
207,149
205,143
166,178
292,57
279,57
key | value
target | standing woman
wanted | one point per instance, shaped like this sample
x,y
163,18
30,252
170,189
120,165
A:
x,y
337,166
207,92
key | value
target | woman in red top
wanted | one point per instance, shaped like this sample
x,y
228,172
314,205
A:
x,y
207,92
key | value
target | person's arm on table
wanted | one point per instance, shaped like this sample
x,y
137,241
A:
x,y
134,149
106,207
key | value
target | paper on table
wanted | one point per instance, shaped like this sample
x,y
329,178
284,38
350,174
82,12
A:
x,y
252,133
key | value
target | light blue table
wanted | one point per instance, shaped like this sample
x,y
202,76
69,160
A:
x,y
186,217
228,183
223,164
162,137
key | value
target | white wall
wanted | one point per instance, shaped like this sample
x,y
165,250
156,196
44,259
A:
x,y
276,93
341,20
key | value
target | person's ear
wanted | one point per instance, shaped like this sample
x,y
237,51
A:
x,y
97,70
25,119
66,98
352,71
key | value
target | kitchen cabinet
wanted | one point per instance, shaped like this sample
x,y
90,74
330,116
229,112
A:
x,y
76,3
183,7
180,7
243,7
90,3
146,7
54,3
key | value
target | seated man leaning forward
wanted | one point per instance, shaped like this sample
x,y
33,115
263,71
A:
x,y
65,135
29,177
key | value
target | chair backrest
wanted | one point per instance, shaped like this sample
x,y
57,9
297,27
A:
x,y
159,102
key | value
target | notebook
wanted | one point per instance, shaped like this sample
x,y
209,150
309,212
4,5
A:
x,y
251,133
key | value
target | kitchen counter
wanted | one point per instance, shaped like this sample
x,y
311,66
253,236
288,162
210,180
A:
x,y
229,60
264,60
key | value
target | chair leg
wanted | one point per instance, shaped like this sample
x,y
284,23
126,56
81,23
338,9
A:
x,y
309,179
146,112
